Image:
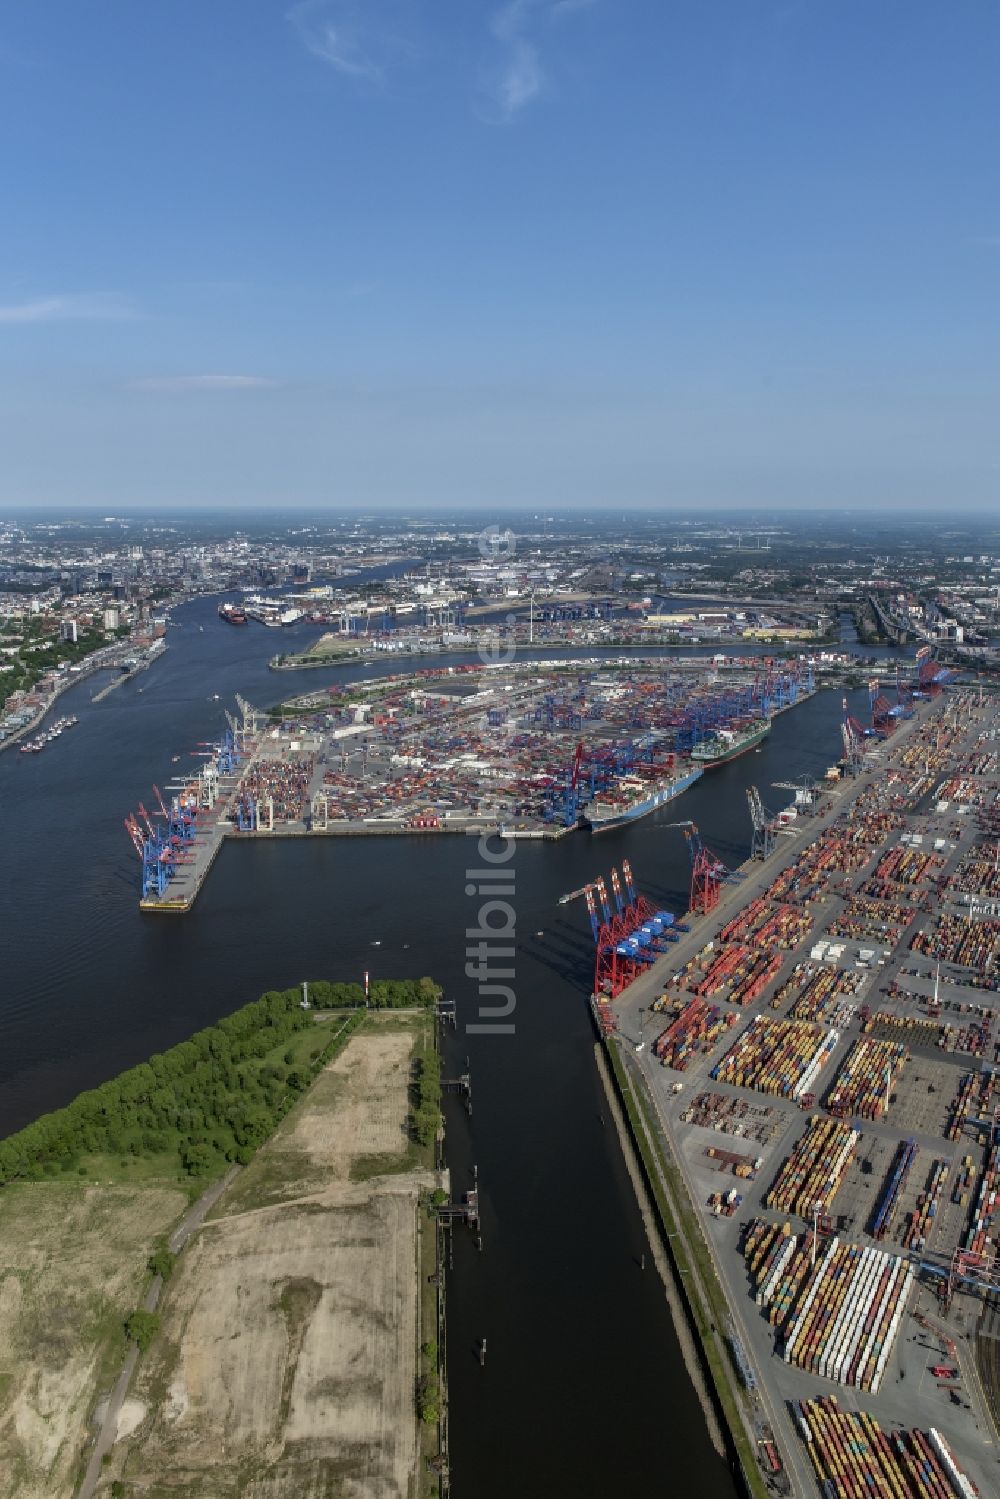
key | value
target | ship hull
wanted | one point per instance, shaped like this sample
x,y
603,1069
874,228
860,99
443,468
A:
x,y
659,798
742,748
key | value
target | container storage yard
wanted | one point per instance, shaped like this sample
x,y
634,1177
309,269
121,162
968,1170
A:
x,y
835,1011
853,1456
535,750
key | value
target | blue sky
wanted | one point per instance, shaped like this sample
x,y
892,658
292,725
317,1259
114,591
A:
x,y
406,252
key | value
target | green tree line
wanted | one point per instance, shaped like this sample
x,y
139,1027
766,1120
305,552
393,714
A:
x,y
383,994
427,1114
207,1101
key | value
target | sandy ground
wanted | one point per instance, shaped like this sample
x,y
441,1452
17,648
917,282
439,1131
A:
x,y
287,1361
367,1084
72,1266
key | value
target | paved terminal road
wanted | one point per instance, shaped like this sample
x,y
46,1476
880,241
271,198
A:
x,y
192,1220
909,1395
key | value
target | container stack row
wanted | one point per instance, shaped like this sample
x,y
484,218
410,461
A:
x,y
781,1057
966,943
818,990
885,1209
972,1101
863,917
828,859
731,1116
815,1170
921,1220
864,1084
768,926
976,876
846,1321
854,1459
980,1237
836,1312
901,866
727,966
964,1179
696,1029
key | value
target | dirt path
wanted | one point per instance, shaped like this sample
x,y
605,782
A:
x,y
192,1220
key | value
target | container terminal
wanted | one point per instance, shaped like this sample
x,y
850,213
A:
x,y
812,1058
536,750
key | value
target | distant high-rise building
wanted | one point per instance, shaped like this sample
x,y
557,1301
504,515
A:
x,y
68,631
111,619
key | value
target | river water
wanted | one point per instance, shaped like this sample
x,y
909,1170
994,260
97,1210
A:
x,y
584,1391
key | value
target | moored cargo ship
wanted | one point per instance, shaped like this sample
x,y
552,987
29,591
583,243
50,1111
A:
x,y
636,798
233,614
727,744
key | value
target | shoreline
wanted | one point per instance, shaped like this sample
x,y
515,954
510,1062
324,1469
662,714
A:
x,y
353,658
86,670
662,1256
702,1340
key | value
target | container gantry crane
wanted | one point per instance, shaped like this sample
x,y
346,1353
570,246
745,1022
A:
x,y
853,736
626,939
883,716
707,874
765,825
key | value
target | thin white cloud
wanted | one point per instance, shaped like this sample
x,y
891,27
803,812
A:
x,y
86,307
521,77
345,35
205,382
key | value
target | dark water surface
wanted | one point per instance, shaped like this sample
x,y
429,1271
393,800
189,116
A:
x,y
584,1391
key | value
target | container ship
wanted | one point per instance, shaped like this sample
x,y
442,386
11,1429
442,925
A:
x,y
633,797
233,614
727,744
273,615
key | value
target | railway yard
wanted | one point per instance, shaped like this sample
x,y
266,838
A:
x,y
819,1053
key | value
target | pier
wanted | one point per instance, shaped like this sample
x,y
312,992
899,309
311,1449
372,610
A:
x,y
520,753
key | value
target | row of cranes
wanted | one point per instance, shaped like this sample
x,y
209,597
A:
x,y
669,725
928,680
626,939
629,932
164,839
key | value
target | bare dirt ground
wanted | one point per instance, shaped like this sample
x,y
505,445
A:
x,y
72,1266
287,1359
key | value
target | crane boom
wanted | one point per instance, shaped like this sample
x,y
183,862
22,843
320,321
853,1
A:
x,y
564,900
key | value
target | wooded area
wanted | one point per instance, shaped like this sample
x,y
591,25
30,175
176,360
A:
x,y
210,1100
